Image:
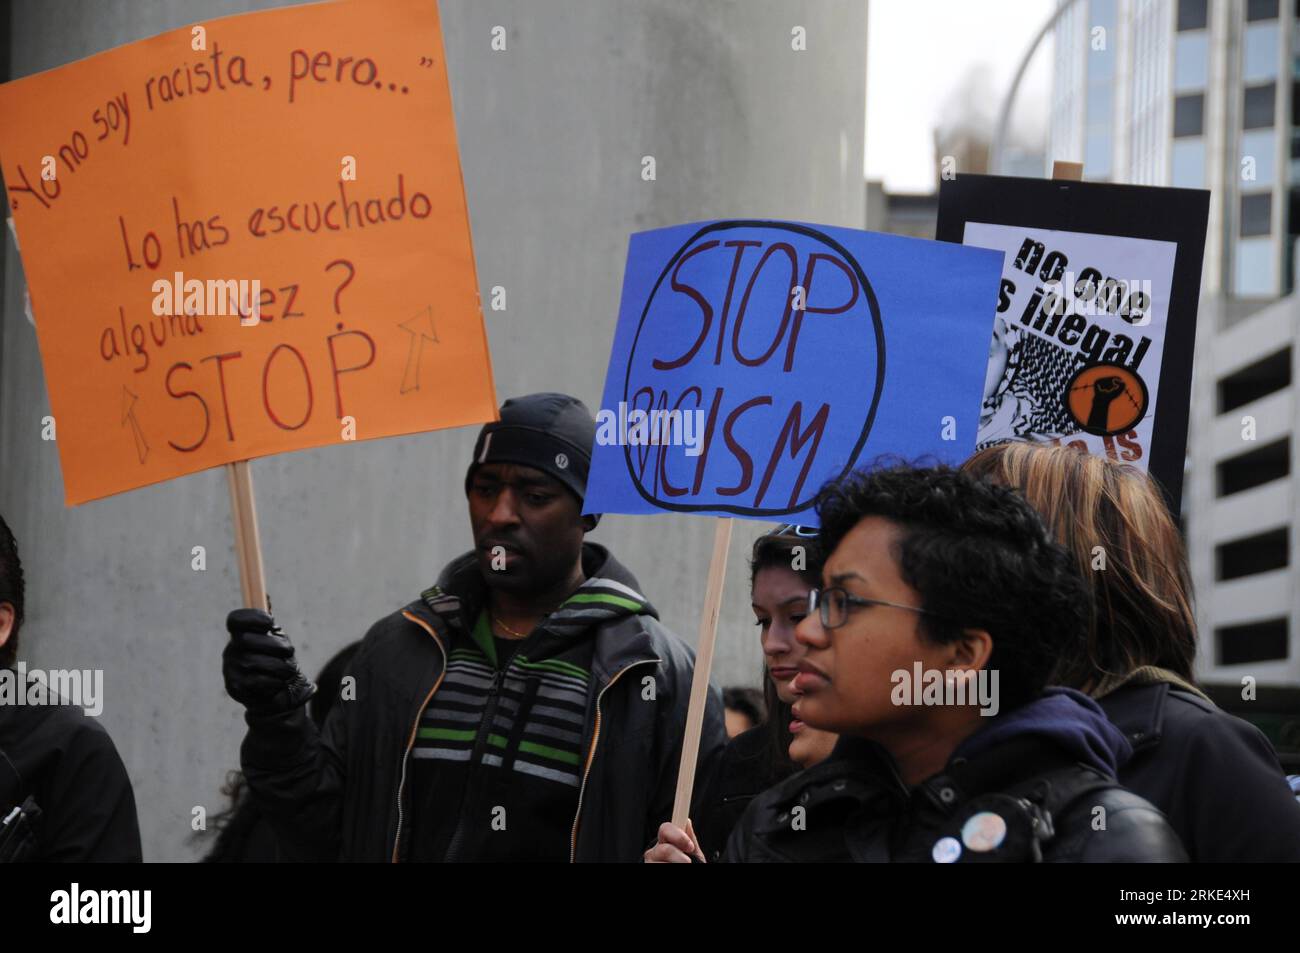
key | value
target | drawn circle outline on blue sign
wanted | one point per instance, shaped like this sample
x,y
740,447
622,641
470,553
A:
x,y
875,397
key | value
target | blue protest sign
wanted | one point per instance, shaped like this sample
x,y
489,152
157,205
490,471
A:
x,y
755,360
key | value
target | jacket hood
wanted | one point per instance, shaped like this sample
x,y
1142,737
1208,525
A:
x,y
610,592
1070,720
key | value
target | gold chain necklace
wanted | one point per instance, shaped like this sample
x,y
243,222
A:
x,y
514,634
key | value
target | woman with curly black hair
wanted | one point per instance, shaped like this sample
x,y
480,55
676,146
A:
x,y
944,607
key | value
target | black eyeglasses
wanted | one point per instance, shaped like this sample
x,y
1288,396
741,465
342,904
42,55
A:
x,y
832,605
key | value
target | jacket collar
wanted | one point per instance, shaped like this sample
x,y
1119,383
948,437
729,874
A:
x,y
609,596
857,771
1139,712
995,769
1145,675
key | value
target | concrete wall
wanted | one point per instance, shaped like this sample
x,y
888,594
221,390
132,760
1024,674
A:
x,y
551,132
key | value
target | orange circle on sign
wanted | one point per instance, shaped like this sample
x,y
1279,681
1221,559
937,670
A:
x,y
1106,399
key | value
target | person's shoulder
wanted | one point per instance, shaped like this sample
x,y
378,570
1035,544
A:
x,y
396,644
1118,826
54,722
662,637
396,621
1199,719
396,627
830,781
786,793
1192,703
74,739
750,744
662,642
1179,716
760,818
820,799
747,766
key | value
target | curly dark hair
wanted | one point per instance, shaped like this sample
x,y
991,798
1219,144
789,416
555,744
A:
x,y
980,557
11,590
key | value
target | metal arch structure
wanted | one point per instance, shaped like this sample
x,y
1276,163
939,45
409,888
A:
x,y
1004,114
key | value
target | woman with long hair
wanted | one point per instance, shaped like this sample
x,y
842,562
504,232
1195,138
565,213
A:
x,y
1214,776
784,566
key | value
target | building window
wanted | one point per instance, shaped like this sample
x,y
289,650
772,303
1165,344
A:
x,y
1255,268
1260,147
1260,54
1264,377
1252,555
1191,61
1189,115
1189,164
1256,214
1254,468
1192,14
1097,156
1258,112
1261,10
1100,107
1254,642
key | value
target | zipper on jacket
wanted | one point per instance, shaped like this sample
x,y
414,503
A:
x,y
410,741
591,751
476,759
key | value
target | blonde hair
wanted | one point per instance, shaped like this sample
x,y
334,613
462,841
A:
x,y
1113,520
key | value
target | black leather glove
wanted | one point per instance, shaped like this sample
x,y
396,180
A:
x,y
259,666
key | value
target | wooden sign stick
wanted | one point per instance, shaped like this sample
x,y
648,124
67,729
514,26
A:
x,y
1071,171
248,544
703,663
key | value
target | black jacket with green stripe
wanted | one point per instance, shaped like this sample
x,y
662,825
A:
x,y
344,792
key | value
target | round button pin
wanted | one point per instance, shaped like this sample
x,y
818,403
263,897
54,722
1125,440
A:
x,y
946,850
984,831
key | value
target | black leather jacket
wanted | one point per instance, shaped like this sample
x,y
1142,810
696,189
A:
x,y
1032,799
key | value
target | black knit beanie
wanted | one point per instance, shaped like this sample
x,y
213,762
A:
x,y
553,433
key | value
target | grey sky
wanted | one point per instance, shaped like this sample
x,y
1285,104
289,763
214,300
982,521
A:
x,y
922,55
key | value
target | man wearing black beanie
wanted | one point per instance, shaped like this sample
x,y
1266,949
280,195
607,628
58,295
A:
x,y
527,707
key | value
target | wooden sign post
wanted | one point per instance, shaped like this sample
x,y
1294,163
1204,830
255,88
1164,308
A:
x,y
248,543
1069,171
703,665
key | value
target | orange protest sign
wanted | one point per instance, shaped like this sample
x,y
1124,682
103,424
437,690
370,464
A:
x,y
246,237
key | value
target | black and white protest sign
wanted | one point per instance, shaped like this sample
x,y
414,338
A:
x,y
1096,316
